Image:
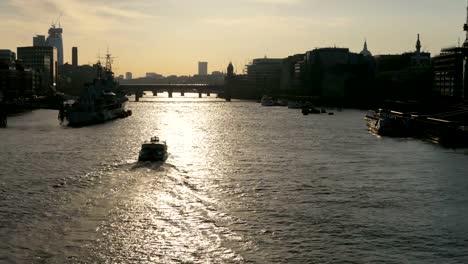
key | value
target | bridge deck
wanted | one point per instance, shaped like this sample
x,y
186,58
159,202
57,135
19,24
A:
x,y
200,88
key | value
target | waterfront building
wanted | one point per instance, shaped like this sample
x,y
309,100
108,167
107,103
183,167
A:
x,y
450,73
128,76
42,60
333,75
406,76
7,56
239,86
265,74
17,81
39,41
290,76
75,56
325,72
55,40
396,62
202,68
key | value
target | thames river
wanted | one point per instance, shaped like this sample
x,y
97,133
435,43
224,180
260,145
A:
x,y
242,184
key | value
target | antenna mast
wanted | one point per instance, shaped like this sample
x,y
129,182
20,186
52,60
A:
x,y
465,28
109,60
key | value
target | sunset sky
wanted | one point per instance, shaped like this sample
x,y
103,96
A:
x,y
171,36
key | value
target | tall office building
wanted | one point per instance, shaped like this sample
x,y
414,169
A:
x,y
75,56
43,60
128,76
55,40
39,41
202,68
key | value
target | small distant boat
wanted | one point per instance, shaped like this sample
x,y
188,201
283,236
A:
x,y
309,109
154,150
267,101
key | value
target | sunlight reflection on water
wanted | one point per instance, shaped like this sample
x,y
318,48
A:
x,y
242,184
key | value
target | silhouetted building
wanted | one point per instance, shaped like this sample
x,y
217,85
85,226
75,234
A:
x,y
75,56
128,76
450,73
7,56
239,86
365,52
403,61
420,59
406,76
17,81
42,60
202,68
290,77
265,74
153,75
73,79
39,41
336,75
326,71
55,40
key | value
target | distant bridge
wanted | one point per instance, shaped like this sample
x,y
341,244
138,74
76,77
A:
x,y
139,89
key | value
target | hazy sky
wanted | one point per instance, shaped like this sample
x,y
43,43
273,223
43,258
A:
x,y
171,36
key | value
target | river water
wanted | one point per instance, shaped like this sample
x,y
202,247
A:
x,y
243,184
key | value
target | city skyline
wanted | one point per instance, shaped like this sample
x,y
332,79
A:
x,y
171,38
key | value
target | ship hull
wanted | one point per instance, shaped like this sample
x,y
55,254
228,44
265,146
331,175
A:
x,y
81,118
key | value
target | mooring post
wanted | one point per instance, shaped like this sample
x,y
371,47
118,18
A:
x,y
3,116
138,95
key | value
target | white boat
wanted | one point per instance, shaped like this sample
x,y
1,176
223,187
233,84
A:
x,y
153,150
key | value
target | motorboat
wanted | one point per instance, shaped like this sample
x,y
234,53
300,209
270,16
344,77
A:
x,y
153,150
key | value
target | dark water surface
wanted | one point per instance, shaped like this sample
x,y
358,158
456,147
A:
x,y
243,184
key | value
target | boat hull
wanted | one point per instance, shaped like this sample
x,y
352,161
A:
x,y
152,157
387,124
81,118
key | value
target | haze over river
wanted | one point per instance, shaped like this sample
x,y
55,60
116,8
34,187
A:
x,y
242,184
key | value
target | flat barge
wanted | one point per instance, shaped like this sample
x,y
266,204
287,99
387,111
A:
x,y
448,128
